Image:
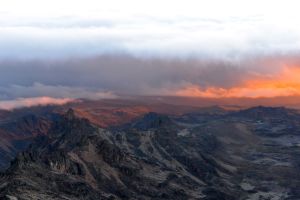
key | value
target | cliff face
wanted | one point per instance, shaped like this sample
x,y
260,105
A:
x,y
158,157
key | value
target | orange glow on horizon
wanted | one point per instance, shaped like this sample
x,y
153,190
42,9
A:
x,y
285,83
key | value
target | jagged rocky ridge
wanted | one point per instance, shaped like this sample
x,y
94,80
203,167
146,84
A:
x,y
229,156
19,127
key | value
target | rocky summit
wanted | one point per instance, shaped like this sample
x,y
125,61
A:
x,y
250,154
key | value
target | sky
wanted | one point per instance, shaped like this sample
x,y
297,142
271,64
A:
x,y
63,49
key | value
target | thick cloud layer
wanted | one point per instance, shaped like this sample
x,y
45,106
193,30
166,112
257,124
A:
x,y
115,75
92,77
105,49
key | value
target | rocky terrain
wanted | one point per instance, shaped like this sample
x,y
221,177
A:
x,y
211,154
18,128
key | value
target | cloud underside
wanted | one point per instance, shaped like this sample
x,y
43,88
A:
x,y
112,76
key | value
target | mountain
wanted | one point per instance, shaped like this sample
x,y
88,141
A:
x,y
19,127
77,160
246,154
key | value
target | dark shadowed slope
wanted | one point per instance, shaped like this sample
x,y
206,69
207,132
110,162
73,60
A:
x,y
19,127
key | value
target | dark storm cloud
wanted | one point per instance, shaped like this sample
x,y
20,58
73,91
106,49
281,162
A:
x,y
118,74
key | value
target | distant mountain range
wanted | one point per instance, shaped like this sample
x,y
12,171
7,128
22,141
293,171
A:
x,y
133,151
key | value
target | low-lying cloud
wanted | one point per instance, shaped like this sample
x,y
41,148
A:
x,y
35,101
55,91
